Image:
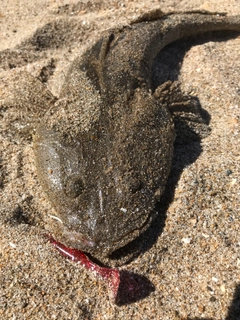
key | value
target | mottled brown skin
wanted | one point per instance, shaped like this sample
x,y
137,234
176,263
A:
x,y
104,150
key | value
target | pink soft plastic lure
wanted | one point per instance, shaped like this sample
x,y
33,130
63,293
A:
x,y
112,276
124,286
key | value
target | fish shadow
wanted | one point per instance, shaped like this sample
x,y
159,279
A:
x,y
234,309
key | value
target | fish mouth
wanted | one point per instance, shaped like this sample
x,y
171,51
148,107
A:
x,y
78,240
71,237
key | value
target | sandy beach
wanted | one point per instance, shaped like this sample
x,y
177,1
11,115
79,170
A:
x,y
188,264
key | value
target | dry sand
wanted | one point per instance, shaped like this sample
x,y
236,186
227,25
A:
x,y
191,255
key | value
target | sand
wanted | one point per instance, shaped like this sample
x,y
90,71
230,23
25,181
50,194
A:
x,y
189,261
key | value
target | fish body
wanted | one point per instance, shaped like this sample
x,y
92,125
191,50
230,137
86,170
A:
x,y
104,150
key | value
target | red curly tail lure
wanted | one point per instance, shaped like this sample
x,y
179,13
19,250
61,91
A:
x,y
112,276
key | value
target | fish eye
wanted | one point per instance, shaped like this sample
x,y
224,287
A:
x,y
73,186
